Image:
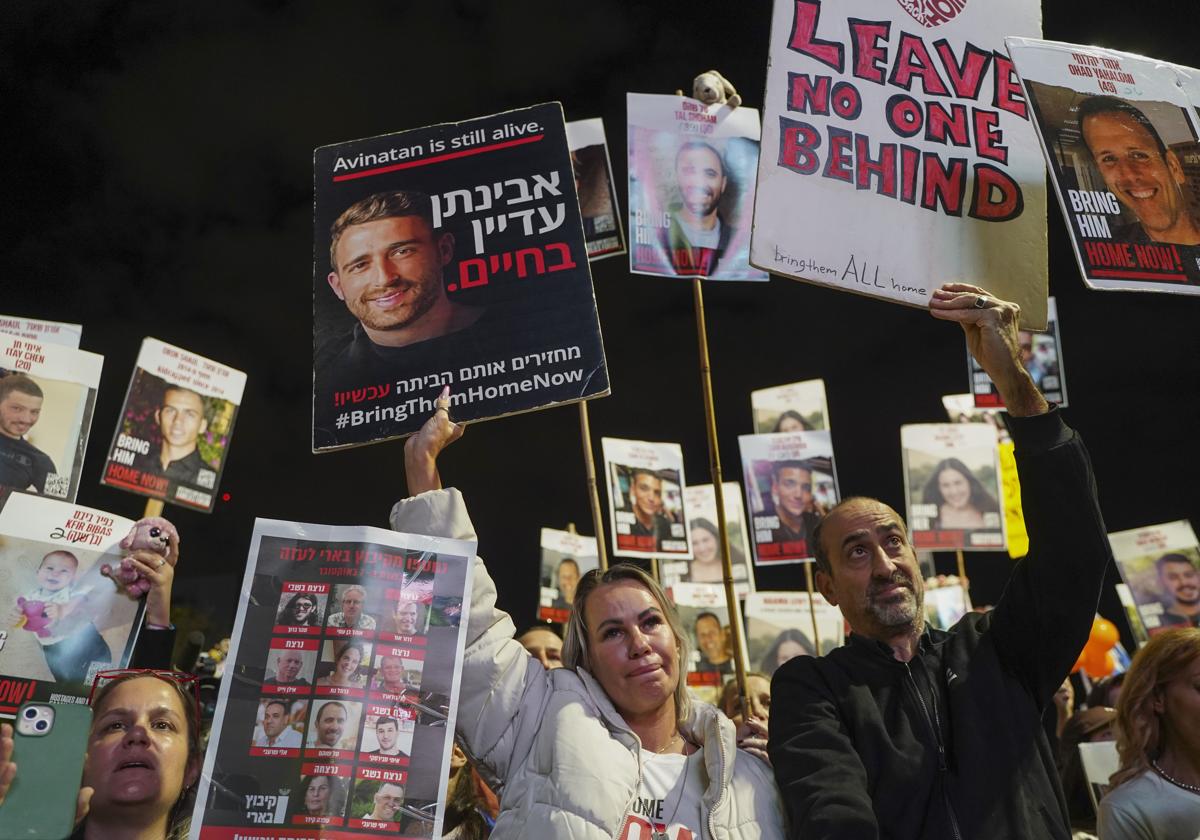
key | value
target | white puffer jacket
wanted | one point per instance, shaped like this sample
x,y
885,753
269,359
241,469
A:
x,y
568,764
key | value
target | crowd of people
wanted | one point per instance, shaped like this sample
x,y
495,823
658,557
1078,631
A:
x,y
904,731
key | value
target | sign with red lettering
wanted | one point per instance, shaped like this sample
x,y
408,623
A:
x,y
884,117
451,255
45,332
1121,137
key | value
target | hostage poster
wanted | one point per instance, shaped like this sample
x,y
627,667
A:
x,y
47,396
596,189
173,436
882,117
449,255
779,627
646,508
61,620
1119,132
791,483
44,332
1040,354
796,407
691,187
566,557
337,707
1161,566
704,614
700,500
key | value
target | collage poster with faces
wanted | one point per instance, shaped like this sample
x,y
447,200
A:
x,y
61,619
566,557
1161,566
47,396
173,435
791,483
1121,137
952,486
345,662
705,565
646,508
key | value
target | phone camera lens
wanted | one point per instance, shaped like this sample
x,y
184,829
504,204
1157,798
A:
x,y
41,726
30,713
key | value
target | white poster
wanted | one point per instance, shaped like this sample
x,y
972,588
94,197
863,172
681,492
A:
x,y
44,332
779,627
705,616
897,151
1161,566
796,407
705,565
566,557
646,510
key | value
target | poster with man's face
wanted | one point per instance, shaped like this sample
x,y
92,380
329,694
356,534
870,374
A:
x,y
597,191
1161,566
47,395
791,483
1041,356
174,431
1119,132
566,557
61,619
451,255
646,509
704,615
952,486
796,407
691,187
705,565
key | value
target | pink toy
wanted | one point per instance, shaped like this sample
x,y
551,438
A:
x,y
152,533
36,620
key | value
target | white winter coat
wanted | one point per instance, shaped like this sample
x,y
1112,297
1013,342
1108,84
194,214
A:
x,y
568,764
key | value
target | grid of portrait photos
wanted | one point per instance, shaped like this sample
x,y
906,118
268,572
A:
x,y
952,486
779,627
566,557
1041,356
346,656
795,407
596,189
646,509
1161,566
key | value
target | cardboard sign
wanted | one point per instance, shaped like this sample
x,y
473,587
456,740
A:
x,y
47,396
646,510
61,620
596,189
43,332
791,483
952,486
1161,566
566,557
797,407
449,255
705,566
1120,135
779,627
344,720
884,117
173,438
691,187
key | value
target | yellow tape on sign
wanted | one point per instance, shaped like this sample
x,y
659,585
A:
x,y
1018,537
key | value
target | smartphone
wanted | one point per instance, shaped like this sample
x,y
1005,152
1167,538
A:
x,y
49,743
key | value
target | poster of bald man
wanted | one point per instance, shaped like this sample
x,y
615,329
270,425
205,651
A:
x,y
1120,136
646,510
596,189
791,483
61,619
691,187
47,397
1161,566
173,435
566,557
451,255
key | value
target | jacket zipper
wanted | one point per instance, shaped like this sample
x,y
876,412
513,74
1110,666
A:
x,y
935,724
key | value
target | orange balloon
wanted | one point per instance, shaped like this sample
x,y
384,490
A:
x,y
1098,663
1079,662
1104,634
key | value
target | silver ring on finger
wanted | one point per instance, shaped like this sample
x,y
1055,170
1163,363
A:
x,y
981,302
161,562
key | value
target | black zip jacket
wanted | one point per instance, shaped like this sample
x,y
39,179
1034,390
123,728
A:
x,y
951,745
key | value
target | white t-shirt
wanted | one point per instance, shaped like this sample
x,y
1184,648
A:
x,y
1149,807
668,798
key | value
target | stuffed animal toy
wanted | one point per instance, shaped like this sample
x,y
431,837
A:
x,y
152,533
34,619
712,88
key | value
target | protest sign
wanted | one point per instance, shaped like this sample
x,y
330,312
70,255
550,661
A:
x,y
779,627
798,407
790,484
596,189
705,616
1119,132
1161,566
349,726
700,501
945,603
42,332
566,557
1041,356
61,620
691,187
883,117
961,408
449,255
951,485
173,436
646,511
47,396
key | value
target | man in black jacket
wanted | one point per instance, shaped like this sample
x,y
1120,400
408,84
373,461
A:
x,y
910,732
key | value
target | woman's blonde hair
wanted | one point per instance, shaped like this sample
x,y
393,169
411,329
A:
x,y
575,652
1139,730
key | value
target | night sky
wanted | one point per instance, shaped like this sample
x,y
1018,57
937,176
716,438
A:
x,y
159,182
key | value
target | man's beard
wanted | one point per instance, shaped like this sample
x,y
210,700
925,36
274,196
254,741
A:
x,y
427,288
899,611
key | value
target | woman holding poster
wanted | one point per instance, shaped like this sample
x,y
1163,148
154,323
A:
x,y
611,744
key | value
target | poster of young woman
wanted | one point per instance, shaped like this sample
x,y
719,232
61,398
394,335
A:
x,y
705,565
796,407
779,627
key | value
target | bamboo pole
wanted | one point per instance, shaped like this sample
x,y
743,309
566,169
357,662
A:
x,y
154,507
812,607
962,576
589,463
714,460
